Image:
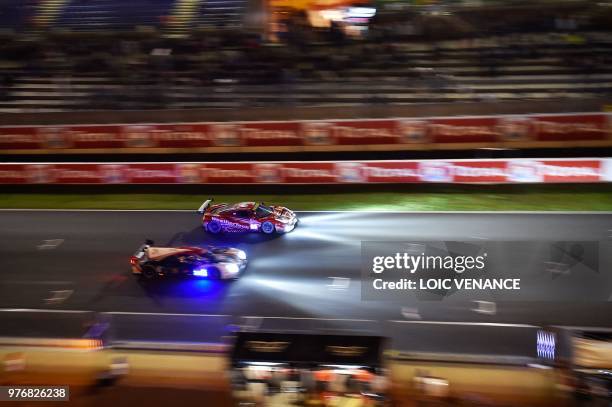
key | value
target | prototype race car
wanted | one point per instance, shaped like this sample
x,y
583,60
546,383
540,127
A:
x,y
211,262
246,217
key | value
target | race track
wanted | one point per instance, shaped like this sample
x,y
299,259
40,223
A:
x,y
79,260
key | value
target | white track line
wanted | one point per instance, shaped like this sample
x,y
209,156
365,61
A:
x,y
165,314
51,311
483,324
488,324
301,162
36,282
584,328
313,319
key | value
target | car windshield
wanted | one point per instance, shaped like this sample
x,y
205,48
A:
x,y
262,211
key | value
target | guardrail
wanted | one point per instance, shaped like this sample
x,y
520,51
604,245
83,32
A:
x,y
492,171
408,133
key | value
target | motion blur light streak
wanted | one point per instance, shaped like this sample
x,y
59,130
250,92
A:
x,y
265,363
350,228
326,218
311,234
312,296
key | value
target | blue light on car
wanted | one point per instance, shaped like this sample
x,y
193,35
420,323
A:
x,y
202,272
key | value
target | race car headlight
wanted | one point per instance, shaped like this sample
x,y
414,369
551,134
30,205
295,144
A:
x,y
254,226
232,268
241,255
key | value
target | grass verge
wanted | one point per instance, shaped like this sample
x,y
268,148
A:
x,y
456,198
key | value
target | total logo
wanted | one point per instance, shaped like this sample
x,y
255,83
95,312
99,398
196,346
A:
x,y
435,171
225,134
189,173
39,174
316,133
268,173
55,137
524,171
115,173
515,128
137,136
350,172
413,131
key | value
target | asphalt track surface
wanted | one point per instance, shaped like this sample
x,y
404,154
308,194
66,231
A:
x,y
307,280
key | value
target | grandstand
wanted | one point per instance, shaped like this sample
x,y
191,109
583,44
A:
x,y
183,74
191,56
16,15
173,16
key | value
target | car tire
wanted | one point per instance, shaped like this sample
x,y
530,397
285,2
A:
x,y
214,273
213,227
268,228
149,273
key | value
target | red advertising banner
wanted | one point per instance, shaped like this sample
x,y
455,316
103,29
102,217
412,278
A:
x,y
89,137
76,174
362,132
308,173
14,174
169,135
465,130
228,173
492,171
150,173
571,127
270,134
316,172
388,172
490,130
19,138
568,171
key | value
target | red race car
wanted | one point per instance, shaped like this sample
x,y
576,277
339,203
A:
x,y
211,262
246,217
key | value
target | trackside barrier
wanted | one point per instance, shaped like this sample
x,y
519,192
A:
x,y
463,132
406,340
492,171
521,376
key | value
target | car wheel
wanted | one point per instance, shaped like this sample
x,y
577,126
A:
x,y
268,228
148,272
213,227
214,273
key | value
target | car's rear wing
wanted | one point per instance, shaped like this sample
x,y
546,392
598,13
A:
x,y
205,205
141,253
